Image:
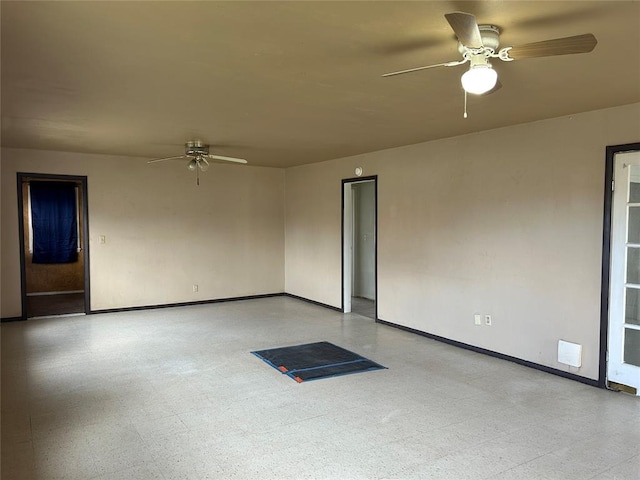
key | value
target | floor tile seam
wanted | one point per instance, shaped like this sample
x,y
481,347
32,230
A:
x,y
124,467
36,465
162,433
493,438
348,447
44,450
53,431
160,453
552,417
210,411
161,416
353,449
96,445
497,410
616,431
562,458
247,430
463,422
31,430
306,419
398,474
580,439
518,465
616,465
238,429
451,455
487,441
5,448
149,440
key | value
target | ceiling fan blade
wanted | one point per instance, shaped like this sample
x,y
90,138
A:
x,y
167,158
227,159
446,64
466,28
558,46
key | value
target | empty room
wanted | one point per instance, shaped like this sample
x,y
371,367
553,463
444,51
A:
x,y
320,240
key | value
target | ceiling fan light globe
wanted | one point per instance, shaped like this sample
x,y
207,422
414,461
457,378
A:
x,y
479,79
204,165
192,165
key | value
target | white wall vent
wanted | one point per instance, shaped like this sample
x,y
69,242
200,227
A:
x,y
569,353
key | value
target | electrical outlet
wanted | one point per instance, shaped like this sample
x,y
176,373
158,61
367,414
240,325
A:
x,y
477,319
487,320
195,288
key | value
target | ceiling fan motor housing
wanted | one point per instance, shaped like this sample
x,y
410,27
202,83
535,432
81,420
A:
x,y
196,148
490,35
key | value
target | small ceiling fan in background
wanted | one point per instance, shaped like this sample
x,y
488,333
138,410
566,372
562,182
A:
x,y
478,43
199,156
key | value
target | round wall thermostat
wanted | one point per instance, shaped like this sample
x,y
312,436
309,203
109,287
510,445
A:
x,y
358,171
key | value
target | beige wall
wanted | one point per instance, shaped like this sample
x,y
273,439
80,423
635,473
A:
x,y
505,222
163,233
313,230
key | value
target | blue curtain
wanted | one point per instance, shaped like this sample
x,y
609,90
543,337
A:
x,y
54,220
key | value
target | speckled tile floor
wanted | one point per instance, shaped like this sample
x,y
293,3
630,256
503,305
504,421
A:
x,y
175,394
364,307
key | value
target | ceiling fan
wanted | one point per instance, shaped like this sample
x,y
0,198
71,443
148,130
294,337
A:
x,y
479,43
199,156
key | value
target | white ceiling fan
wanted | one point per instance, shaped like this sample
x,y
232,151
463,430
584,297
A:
x,y
479,43
199,156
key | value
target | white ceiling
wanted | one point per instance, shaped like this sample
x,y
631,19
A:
x,y
289,83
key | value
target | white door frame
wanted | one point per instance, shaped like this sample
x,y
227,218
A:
x,y
619,372
613,258
347,239
347,246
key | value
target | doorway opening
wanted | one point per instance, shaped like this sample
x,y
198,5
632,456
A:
x,y
620,322
359,246
54,250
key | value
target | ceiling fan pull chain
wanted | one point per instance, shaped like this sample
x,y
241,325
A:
x,y
465,104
